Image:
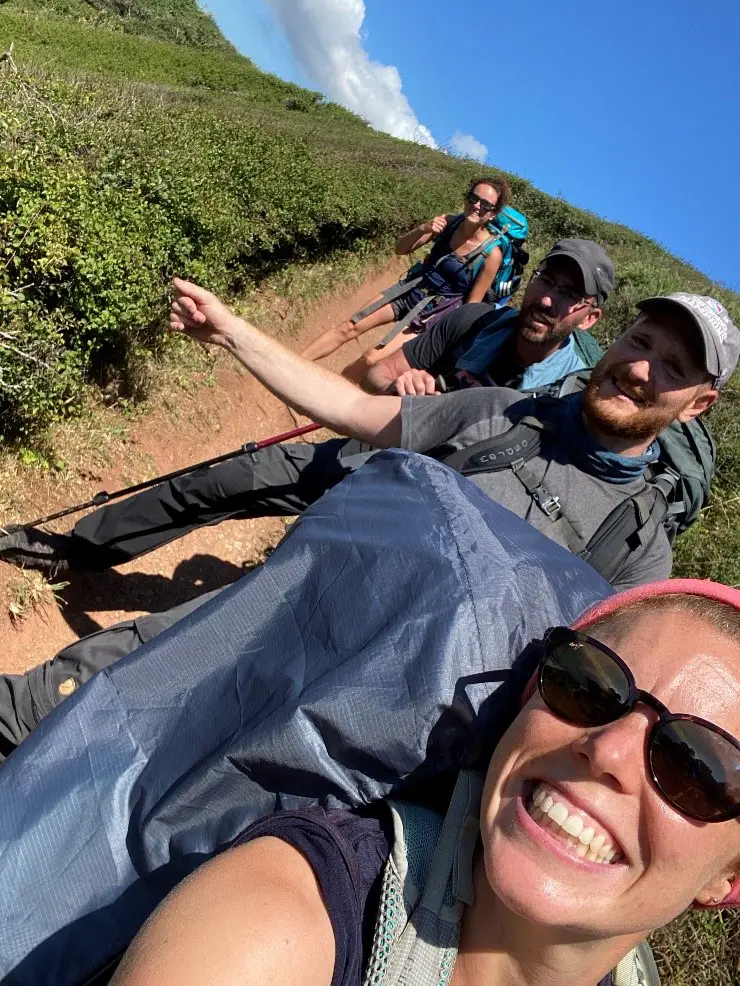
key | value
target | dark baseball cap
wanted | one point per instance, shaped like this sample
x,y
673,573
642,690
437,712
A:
x,y
594,263
719,335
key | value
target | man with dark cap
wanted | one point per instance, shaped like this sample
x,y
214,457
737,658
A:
x,y
590,451
532,349
586,465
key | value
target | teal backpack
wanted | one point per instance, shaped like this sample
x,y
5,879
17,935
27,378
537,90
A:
x,y
426,884
508,231
512,228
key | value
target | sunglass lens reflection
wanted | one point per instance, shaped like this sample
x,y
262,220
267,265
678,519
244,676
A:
x,y
485,205
583,685
696,768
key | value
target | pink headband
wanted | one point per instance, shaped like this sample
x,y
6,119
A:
x,y
693,587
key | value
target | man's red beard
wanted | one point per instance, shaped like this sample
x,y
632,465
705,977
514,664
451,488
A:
x,y
641,423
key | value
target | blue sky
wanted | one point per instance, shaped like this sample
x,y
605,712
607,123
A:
x,y
630,108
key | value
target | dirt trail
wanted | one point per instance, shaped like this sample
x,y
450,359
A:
x,y
210,421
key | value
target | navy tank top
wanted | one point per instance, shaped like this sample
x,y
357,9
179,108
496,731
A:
x,y
347,851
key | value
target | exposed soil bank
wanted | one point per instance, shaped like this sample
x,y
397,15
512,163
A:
x,y
205,423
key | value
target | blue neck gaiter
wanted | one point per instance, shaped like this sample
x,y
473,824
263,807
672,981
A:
x,y
588,454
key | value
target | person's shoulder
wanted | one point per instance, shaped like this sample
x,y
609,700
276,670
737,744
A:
x,y
282,913
495,314
256,906
342,825
492,318
477,315
477,403
651,561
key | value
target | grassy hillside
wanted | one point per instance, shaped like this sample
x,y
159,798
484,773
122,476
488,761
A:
x,y
125,158
136,143
178,21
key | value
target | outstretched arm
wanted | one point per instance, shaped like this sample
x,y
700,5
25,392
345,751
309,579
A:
x,y
310,389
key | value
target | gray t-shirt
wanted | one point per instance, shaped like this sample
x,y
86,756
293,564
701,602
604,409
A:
x,y
442,425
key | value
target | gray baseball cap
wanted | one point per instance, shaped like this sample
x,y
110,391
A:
x,y
594,263
719,335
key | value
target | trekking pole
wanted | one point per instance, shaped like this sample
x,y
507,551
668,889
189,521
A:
x,y
104,497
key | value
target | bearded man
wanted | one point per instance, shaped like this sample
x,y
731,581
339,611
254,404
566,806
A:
x,y
538,349
533,348
667,366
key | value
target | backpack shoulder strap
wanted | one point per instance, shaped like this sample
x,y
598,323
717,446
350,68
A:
x,y
512,450
630,525
521,442
478,255
574,383
426,883
637,968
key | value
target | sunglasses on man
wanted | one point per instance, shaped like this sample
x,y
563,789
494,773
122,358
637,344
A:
x,y
485,205
693,764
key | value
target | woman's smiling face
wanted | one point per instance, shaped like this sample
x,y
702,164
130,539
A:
x,y
480,205
575,835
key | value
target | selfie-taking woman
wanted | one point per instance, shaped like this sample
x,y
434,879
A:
x,y
610,806
459,266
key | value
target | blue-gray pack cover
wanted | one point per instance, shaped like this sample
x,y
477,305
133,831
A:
x,y
380,643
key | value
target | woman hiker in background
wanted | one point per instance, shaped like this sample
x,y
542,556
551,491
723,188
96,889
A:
x,y
461,266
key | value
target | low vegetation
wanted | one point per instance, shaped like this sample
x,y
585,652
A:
x,y
29,592
135,143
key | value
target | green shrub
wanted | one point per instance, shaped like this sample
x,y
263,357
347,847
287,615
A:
x,y
128,159
178,21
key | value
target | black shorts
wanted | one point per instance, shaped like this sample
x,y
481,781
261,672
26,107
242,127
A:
x,y
403,305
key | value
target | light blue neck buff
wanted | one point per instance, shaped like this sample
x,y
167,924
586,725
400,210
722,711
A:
x,y
488,345
589,455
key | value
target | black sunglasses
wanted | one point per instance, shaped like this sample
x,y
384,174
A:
x,y
694,765
485,205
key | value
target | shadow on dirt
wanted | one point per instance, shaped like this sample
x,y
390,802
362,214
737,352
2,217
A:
x,y
92,592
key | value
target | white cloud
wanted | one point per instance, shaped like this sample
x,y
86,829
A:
x,y
326,40
465,145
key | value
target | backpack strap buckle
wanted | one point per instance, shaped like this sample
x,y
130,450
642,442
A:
x,y
548,503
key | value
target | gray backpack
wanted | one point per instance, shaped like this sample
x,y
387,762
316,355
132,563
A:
x,y
427,882
676,489
687,460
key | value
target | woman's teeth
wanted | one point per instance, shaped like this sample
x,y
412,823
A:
x,y
584,839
